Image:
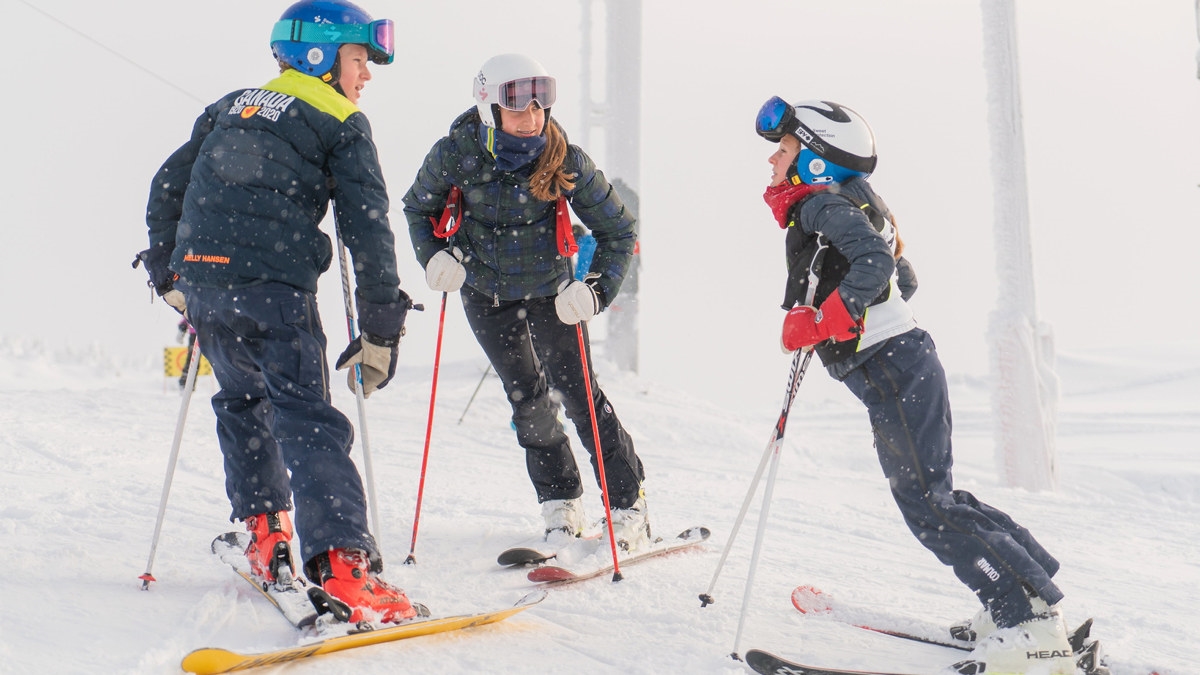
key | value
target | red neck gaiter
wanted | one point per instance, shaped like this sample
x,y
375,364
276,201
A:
x,y
781,198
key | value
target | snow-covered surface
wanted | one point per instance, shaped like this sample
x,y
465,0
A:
x,y
1110,99
84,450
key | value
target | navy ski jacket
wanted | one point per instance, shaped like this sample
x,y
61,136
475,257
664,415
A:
x,y
241,202
858,263
508,236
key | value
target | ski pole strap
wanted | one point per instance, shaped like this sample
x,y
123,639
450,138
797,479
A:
x,y
451,215
563,232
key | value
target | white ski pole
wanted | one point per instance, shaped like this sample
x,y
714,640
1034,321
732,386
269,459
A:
x,y
352,329
796,377
193,368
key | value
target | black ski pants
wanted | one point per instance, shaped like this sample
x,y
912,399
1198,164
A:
x,y
537,358
904,388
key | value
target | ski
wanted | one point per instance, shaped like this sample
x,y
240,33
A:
x,y
211,660
550,574
811,600
767,663
291,600
520,555
523,556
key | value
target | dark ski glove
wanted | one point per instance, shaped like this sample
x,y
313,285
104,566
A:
x,y
376,356
156,260
377,349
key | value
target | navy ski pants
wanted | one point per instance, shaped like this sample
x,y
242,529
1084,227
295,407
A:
x,y
534,353
281,436
904,388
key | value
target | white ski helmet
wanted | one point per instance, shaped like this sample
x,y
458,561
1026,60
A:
x,y
837,143
511,81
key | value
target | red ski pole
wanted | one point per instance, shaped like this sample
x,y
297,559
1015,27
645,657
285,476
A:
x,y
587,383
437,360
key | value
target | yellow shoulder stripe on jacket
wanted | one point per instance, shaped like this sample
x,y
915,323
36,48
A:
x,y
313,92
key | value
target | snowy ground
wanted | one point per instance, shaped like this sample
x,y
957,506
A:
x,y
84,441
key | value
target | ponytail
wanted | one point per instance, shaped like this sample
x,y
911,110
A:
x,y
549,178
899,242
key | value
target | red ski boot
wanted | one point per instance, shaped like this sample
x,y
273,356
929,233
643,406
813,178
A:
x,y
270,551
353,593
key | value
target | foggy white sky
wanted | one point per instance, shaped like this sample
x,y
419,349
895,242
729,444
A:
x,y
1110,107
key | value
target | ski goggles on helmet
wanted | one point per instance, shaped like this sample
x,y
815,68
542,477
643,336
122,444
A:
x,y
518,94
776,119
378,37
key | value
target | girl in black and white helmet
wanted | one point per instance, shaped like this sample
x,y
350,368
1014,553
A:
x,y
507,173
846,297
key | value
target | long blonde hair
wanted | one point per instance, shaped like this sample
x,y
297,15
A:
x,y
549,178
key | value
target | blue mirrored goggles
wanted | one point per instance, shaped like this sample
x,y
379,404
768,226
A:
x,y
518,94
379,37
776,119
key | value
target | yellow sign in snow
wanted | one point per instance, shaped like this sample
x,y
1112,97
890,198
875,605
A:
x,y
175,358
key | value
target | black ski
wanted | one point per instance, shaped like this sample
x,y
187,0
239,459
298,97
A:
x,y
769,664
523,556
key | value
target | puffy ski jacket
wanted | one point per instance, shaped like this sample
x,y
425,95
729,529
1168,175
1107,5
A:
x,y
241,202
507,236
854,226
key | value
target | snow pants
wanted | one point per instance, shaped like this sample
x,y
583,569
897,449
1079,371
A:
x,y
904,389
275,417
535,353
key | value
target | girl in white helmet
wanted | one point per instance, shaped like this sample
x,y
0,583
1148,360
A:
x,y
846,298
488,215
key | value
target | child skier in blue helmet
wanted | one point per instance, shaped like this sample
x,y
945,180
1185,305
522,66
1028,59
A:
x,y
235,247
846,297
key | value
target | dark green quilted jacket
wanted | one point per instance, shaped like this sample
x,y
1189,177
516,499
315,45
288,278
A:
x,y
507,236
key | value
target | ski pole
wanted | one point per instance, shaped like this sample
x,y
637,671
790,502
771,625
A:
x,y
587,383
477,387
193,368
793,385
352,329
795,376
437,359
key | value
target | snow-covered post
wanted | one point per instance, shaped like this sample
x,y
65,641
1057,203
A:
x,y
619,119
1025,394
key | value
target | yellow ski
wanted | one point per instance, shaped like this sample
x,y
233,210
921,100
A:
x,y
215,660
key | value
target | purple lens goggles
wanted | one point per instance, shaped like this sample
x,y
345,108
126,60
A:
x,y
518,94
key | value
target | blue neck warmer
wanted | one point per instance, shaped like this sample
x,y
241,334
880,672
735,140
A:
x,y
511,152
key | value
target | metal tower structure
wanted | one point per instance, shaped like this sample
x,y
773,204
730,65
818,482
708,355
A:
x,y
617,116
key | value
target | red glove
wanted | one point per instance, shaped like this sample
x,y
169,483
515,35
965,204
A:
x,y
806,326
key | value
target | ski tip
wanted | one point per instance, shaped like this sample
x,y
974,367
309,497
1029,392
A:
x,y
532,598
550,573
522,556
811,600
229,540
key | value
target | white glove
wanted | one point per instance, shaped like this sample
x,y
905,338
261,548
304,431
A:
x,y
175,299
577,301
445,272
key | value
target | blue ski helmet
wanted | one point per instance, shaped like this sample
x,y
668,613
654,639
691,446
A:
x,y
836,143
309,33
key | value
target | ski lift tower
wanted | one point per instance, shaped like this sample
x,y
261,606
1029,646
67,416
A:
x,y
616,115
1025,386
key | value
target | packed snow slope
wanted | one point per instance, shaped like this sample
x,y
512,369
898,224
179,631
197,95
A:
x,y
85,439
